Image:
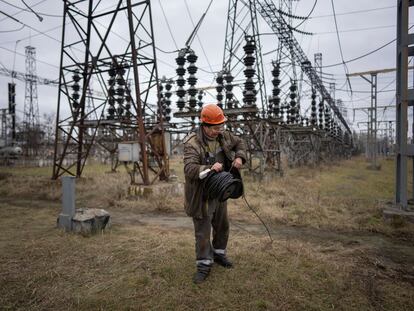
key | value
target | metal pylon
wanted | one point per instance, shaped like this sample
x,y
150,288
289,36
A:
x,y
31,107
241,22
113,51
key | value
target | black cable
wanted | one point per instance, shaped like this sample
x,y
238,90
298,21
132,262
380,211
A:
x,y
224,185
14,30
168,24
367,54
353,12
340,45
257,215
307,17
198,38
29,9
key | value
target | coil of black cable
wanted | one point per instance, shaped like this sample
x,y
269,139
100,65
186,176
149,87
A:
x,y
222,186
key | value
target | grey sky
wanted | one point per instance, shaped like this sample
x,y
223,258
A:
x,y
360,32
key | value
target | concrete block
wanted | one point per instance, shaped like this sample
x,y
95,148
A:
x,y
396,214
90,220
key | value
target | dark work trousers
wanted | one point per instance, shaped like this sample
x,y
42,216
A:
x,y
218,219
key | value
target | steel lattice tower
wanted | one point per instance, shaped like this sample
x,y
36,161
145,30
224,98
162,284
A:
x,y
111,50
242,21
31,107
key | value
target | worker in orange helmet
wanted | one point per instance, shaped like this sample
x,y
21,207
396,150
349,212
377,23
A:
x,y
209,147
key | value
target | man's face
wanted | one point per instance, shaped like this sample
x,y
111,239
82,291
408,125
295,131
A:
x,y
214,130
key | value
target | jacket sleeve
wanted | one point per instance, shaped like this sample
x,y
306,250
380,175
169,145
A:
x,y
192,163
239,148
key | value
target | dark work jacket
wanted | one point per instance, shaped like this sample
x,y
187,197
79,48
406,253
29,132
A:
x,y
195,162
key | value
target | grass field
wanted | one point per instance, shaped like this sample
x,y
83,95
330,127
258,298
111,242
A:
x,y
331,249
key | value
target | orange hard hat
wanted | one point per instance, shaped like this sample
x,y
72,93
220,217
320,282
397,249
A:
x,y
212,114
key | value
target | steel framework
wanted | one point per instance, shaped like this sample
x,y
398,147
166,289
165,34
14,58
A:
x,y
405,98
242,21
268,11
31,121
95,55
275,124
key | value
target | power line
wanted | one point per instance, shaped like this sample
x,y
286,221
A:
x,y
28,10
364,55
198,38
307,17
168,24
356,29
354,12
43,62
340,45
21,10
32,36
31,10
38,31
14,30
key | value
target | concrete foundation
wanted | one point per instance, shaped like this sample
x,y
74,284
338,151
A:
x,y
393,214
90,220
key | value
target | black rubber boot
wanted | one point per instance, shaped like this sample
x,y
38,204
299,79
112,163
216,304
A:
x,y
222,260
201,274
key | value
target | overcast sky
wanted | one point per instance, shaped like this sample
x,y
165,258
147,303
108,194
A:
x,y
362,28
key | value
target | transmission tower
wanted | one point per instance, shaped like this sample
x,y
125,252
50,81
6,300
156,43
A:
x,y
241,24
31,108
113,51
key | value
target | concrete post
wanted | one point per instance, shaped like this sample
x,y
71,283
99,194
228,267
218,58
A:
x,y
68,203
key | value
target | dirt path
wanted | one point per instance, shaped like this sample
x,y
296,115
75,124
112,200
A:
x,y
390,256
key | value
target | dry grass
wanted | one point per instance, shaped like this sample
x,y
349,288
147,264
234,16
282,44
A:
x,y
327,253
140,267
344,197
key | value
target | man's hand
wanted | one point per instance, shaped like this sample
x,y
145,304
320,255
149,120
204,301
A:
x,y
218,167
237,163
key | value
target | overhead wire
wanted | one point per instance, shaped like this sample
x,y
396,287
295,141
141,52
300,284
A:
x,y
21,9
32,36
307,17
198,38
356,29
32,28
168,24
27,10
37,60
340,45
364,55
14,30
34,12
354,12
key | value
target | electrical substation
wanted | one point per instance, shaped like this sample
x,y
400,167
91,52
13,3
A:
x,y
99,100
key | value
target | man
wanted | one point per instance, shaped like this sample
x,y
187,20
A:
x,y
209,147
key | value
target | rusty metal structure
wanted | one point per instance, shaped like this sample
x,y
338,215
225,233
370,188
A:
x,y
276,127
109,87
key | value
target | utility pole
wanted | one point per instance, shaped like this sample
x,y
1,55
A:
x,y
372,117
405,98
